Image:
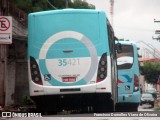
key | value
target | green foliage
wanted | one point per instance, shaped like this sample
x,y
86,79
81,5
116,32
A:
x,y
39,5
29,6
25,5
151,72
81,4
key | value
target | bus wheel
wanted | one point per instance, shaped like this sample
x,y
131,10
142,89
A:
x,y
105,106
134,108
111,106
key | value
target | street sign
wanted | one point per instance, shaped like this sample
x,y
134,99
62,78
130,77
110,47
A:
x,y
5,29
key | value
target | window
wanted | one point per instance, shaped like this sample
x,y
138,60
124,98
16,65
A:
x,y
125,58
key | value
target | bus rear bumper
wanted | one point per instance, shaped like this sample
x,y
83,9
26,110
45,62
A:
x,y
69,101
128,102
129,98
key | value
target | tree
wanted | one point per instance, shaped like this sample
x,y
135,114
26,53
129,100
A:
x,y
25,5
81,4
41,5
151,72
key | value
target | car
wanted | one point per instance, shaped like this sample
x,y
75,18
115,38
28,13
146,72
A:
x,y
152,91
147,98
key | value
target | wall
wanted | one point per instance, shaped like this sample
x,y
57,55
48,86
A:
x,y
19,29
17,85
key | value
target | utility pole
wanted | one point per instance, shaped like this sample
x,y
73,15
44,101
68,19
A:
x,y
3,56
156,20
112,11
66,3
157,32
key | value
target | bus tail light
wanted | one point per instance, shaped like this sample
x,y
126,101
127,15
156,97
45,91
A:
x,y
102,68
35,72
136,83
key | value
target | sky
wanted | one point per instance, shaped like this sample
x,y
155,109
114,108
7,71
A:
x,y
134,20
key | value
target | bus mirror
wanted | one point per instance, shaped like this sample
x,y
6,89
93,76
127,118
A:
x,y
119,47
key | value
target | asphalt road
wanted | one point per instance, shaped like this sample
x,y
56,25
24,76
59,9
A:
x,y
145,107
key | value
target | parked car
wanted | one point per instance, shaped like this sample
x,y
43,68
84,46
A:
x,y
153,91
147,98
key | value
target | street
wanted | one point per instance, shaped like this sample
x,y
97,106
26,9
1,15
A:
x,y
145,107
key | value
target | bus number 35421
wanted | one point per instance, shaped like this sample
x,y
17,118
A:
x,y
66,62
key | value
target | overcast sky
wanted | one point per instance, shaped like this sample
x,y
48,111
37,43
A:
x,y
133,19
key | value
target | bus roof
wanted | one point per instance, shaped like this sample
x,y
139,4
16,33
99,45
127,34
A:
x,y
68,11
127,42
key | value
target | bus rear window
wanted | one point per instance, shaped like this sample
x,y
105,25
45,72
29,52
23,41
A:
x,y
125,58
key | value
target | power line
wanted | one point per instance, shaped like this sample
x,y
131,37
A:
x,y
51,4
155,52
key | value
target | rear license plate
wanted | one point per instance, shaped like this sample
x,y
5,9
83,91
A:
x,y
68,79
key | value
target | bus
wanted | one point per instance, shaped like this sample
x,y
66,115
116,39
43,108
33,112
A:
x,y
128,77
72,60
